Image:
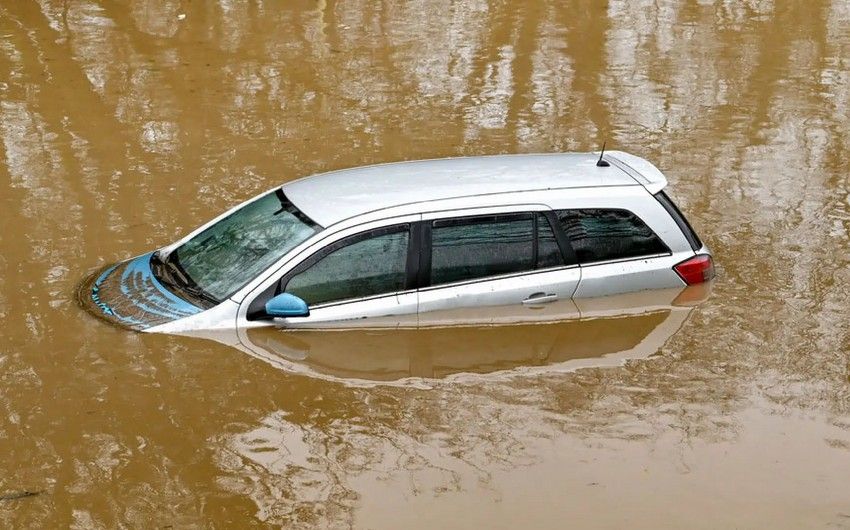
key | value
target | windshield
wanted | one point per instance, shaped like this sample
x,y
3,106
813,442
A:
x,y
227,255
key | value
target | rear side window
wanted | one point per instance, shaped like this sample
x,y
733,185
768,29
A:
x,y
356,267
602,235
680,220
465,249
478,247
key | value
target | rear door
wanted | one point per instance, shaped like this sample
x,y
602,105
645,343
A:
x,y
491,267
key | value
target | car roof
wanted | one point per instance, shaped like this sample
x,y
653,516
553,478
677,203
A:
x,y
328,198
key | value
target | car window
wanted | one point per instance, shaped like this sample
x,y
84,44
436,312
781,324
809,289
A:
x,y
225,256
470,248
354,268
601,235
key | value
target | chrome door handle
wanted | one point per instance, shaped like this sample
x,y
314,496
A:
x,y
540,298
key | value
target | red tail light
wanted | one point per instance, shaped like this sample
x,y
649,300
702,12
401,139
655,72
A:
x,y
697,269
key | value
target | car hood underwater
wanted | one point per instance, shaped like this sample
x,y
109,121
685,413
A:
x,y
129,295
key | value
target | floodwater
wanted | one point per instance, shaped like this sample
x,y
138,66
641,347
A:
x,y
126,124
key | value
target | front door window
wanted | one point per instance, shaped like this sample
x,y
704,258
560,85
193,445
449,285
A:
x,y
356,267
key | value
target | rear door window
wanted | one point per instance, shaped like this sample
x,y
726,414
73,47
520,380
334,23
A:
x,y
609,234
356,267
478,247
470,248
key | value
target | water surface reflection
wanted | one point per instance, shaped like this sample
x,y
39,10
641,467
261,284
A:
x,y
563,335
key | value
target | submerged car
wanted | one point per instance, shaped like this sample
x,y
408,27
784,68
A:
x,y
395,244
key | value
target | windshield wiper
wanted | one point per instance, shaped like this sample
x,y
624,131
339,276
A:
x,y
184,284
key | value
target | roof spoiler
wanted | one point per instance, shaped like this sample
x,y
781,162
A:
x,y
641,170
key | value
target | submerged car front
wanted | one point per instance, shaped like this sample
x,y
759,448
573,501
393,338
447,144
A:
x,y
199,273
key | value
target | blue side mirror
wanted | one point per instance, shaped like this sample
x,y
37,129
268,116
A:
x,y
287,305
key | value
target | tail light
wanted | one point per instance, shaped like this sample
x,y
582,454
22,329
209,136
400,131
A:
x,y
697,269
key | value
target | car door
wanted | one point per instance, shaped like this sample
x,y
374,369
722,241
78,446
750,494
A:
x,y
361,279
486,268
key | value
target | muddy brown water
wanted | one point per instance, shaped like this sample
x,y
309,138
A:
x,y
126,124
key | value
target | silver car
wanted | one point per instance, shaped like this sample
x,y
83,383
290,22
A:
x,y
415,244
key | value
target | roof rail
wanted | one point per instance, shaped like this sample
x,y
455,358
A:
x,y
641,170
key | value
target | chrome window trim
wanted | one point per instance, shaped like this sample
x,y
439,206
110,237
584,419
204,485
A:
x,y
626,260
361,299
498,277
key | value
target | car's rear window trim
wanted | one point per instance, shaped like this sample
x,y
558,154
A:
x,y
642,257
506,275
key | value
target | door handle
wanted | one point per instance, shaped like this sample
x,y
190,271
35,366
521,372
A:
x,y
540,298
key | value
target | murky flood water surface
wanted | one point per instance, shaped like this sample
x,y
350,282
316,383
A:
x,y
124,126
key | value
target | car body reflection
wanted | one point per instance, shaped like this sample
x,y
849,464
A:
x,y
561,336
